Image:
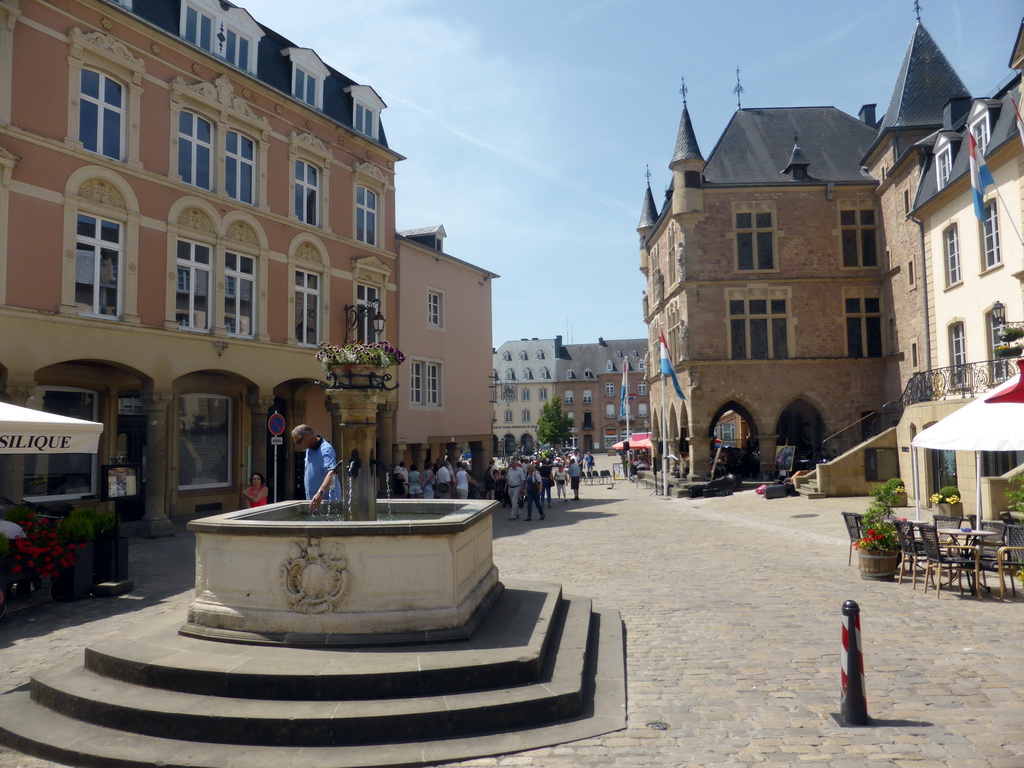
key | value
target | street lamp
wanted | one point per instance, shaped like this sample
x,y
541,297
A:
x,y
999,314
356,314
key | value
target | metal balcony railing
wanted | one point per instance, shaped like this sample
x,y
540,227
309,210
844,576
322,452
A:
x,y
954,381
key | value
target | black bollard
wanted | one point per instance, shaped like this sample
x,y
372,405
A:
x,y
854,707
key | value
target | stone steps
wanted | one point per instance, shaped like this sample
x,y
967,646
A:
x,y
533,674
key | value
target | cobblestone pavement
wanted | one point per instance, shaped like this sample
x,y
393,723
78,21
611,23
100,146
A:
x,y
732,616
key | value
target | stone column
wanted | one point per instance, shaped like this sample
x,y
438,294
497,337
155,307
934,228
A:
x,y
419,455
259,404
386,432
161,465
12,466
476,448
768,444
694,445
357,423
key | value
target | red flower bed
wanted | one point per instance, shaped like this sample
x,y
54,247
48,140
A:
x,y
39,551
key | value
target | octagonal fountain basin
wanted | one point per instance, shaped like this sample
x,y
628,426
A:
x,y
276,574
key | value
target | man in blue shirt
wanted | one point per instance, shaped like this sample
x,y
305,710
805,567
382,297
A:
x,y
321,480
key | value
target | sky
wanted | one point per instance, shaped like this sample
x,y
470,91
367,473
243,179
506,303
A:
x,y
528,125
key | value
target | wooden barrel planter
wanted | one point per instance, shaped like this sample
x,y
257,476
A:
x,y
878,566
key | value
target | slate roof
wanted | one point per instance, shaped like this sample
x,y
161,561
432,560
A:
x,y
581,357
272,69
757,144
1004,129
926,81
686,140
649,213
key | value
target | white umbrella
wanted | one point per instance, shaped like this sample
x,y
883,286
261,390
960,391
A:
x,y
23,430
991,423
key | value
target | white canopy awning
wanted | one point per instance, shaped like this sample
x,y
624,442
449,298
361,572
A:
x,y
978,426
23,430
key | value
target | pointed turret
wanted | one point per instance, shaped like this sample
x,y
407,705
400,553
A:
x,y
648,214
687,169
648,218
926,81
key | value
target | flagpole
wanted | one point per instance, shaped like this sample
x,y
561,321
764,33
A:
x,y
664,424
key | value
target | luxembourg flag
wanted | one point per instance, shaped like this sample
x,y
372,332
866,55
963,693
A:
x,y
667,369
980,178
625,389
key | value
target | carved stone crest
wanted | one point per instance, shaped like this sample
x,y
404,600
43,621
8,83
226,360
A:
x,y
99,191
242,233
371,170
315,576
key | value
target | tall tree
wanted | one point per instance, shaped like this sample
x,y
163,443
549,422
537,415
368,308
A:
x,y
554,425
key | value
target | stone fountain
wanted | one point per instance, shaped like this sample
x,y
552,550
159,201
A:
x,y
338,640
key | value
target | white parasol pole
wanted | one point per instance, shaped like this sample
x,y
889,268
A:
x,y
917,480
977,476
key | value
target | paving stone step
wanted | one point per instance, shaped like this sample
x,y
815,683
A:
x,y
31,728
507,649
76,692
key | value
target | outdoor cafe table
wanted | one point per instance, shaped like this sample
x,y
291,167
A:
x,y
972,537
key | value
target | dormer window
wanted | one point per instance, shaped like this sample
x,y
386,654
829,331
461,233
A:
x,y
588,374
523,355
228,33
609,366
945,146
570,374
979,121
540,354
308,76
366,109
506,355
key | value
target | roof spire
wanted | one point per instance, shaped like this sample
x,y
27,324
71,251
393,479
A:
x,y
738,90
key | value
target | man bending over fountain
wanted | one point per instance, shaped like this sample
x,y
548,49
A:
x,y
321,480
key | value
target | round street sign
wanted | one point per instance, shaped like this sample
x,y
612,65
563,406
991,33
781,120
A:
x,y
276,424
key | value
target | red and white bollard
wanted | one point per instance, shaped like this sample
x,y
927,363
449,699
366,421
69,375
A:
x,y
854,707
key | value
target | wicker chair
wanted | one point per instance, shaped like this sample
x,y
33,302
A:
x,y
939,556
911,548
852,520
946,521
1010,558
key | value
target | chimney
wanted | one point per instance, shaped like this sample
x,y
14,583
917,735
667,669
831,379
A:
x,y
867,114
600,341
954,110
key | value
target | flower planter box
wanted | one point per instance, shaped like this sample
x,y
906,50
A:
x,y
104,566
950,510
1008,352
878,566
75,582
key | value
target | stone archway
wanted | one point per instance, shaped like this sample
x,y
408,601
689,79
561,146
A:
x,y
800,424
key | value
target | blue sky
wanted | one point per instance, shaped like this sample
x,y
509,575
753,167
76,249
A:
x,y
528,125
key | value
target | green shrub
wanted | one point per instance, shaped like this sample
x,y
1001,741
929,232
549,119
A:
x,y
5,547
79,526
21,514
1015,493
103,523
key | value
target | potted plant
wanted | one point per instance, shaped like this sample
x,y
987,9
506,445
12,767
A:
x,y
40,553
1015,496
878,550
1011,334
378,354
1007,350
947,500
892,493
77,530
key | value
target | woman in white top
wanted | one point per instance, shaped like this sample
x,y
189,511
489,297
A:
x,y
427,482
463,481
415,491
